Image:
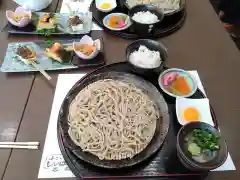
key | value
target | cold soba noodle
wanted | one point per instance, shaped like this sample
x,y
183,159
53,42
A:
x,y
112,120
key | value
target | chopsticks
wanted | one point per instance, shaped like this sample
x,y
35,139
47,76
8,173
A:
x,y
20,145
41,71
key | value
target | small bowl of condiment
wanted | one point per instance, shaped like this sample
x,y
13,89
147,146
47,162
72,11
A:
x,y
177,83
145,17
117,21
106,5
87,48
146,56
200,147
20,17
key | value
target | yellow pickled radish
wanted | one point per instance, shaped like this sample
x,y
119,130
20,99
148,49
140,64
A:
x,y
106,6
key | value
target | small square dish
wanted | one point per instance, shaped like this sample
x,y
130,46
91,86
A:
x,y
189,110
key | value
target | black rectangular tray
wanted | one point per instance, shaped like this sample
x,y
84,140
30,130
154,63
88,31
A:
x,y
164,163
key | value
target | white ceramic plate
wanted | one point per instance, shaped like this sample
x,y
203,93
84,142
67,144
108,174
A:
x,y
202,105
106,18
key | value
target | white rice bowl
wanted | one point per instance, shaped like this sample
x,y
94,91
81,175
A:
x,y
145,58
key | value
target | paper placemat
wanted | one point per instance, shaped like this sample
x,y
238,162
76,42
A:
x,y
52,163
79,6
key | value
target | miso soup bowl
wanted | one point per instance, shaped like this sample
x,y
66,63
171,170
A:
x,y
185,157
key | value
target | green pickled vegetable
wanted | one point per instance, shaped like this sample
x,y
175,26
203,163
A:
x,y
205,139
194,149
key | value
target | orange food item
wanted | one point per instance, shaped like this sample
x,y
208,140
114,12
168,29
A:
x,y
181,85
86,49
113,21
45,18
56,47
191,114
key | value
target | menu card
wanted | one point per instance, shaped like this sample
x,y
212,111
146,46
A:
x,y
52,163
78,6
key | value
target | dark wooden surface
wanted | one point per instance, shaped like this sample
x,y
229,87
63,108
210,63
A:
x,y
201,44
14,90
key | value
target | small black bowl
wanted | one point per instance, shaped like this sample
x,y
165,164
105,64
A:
x,y
152,45
145,29
185,157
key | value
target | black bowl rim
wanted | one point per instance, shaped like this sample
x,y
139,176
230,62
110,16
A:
x,y
182,6
192,162
152,41
160,18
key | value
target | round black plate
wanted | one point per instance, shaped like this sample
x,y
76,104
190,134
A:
x,y
170,23
163,163
161,127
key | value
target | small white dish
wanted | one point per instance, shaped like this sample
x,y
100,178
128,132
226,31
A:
x,y
100,2
127,21
87,40
201,105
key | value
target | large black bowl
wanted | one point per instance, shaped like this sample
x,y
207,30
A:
x,y
186,158
152,45
144,29
148,88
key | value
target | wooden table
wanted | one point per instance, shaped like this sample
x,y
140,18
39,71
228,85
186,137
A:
x,y
14,91
201,44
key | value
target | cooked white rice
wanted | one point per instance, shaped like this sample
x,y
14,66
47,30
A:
x,y
145,58
145,17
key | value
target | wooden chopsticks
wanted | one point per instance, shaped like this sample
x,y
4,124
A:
x,y
19,145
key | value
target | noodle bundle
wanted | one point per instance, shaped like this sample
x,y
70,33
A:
x,y
112,120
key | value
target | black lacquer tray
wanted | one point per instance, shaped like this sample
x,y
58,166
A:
x,y
170,23
164,163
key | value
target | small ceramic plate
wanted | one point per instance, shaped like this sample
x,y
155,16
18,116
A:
x,y
107,18
100,2
180,72
185,107
87,40
24,21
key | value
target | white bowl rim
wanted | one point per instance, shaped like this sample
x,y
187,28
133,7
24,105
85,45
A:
x,y
195,87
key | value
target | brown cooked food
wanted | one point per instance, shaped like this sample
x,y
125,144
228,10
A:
x,y
25,52
74,21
